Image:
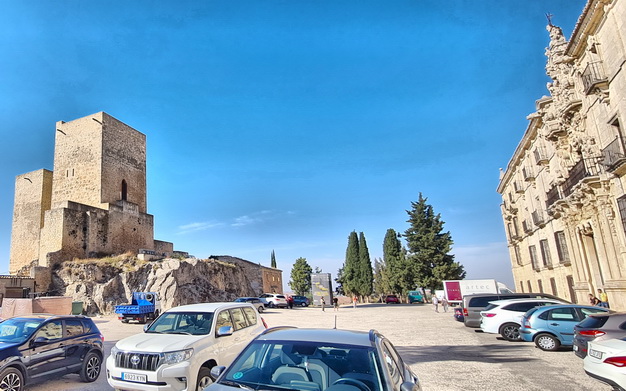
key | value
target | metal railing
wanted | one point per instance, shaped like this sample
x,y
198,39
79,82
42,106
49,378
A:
x,y
583,169
593,75
613,154
552,196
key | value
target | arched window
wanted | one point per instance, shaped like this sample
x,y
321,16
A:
x,y
124,190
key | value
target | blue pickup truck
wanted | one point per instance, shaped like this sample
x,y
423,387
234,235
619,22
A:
x,y
144,306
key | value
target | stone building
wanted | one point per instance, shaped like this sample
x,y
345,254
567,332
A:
x,y
92,204
564,190
262,279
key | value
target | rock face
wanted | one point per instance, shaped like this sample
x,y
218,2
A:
x,y
101,285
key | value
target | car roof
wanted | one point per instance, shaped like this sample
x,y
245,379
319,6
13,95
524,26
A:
x,y
521,300
551,307
207,307
318,335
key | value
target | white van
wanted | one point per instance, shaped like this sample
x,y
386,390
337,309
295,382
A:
x,y
178,349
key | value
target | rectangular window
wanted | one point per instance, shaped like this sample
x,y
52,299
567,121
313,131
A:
x,y
553,285
518,256
545,252
561,247
521,286
570,286
540,285
621,204
533,256
530,287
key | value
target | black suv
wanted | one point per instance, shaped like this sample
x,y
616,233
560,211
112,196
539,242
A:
x,y
32,346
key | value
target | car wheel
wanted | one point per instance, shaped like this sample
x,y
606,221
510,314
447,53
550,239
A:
x,y
510,332
272,304
204,379
91,367
124,320
260,309
303,304
547,342
11,379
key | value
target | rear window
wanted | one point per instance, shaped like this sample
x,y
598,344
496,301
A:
x,y
593,322
531,311
280,296
490,307
482,301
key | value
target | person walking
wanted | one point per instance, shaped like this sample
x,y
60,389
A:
x,y
336,303
354,302
436,303
444,304
604,299
322,302
290,301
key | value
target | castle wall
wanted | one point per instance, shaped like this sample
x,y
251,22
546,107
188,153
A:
x,y
32,197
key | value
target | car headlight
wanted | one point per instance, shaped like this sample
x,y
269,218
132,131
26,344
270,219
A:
x,y
114,351
176,357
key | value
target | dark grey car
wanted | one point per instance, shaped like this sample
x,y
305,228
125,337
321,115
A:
x,y
598,327
473,304
288,358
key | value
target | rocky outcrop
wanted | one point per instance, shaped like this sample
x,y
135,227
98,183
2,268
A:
x,y
103,284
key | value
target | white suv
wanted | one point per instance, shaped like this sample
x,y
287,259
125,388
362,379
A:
x,y
178,349
504,317
274,300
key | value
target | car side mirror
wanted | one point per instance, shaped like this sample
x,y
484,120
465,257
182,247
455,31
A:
x,y
39,341
224,331
408,386
216,371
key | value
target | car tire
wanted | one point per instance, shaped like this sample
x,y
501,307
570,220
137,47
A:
x,y
260,309
11,379
92,365
204,379
510,332
271,305
547,342
124,320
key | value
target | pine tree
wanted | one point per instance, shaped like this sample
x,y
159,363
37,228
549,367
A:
x,y
301,277
273,262
429,247
399,274
351,266
365,275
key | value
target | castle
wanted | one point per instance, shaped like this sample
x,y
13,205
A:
x,y
92,204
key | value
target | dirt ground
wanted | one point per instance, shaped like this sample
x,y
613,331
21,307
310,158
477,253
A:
x,y
444,353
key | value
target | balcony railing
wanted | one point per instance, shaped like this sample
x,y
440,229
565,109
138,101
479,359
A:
x,y
613,154
583,169
552,196
593,75
541,157
518,187
526,226
538,218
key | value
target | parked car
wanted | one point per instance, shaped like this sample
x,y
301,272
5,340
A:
x,y
415,297
393,299
598,327
504,316
473,304
178,349
606,362
288,358
302,301
551,327
274,300
33,346
255,301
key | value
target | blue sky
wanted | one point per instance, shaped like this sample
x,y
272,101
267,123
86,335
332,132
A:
x,y
285,125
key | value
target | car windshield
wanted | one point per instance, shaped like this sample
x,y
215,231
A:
x,y
191,323
18,329
305,366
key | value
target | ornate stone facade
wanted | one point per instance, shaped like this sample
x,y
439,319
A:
x,y
92,204
564,190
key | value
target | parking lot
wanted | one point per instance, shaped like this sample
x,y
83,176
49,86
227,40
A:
x,y
444,353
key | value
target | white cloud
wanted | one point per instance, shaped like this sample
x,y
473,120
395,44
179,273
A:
x,y
194,227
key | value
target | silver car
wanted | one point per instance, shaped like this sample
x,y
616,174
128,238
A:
x,y
288,358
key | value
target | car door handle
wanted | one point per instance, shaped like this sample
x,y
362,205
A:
x,y
554,324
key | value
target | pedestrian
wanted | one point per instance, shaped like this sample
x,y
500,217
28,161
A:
x,y
436,303
323,302
336,303
604,299
290,301
444,304
354,302
593,300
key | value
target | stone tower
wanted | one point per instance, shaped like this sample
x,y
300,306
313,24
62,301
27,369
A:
x,y
92,204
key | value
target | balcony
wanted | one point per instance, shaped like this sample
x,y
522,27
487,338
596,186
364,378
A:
x,y
526,227
614,156
585,168
552,196
528,174
554,130
594,77
518,187
538,218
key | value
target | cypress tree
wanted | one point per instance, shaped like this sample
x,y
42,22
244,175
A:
x,y
365,274
273,261
351,266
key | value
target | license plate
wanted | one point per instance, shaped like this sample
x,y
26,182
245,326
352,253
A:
x,y
595,354
134,377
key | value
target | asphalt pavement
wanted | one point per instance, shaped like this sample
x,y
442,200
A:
x,y
444,353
